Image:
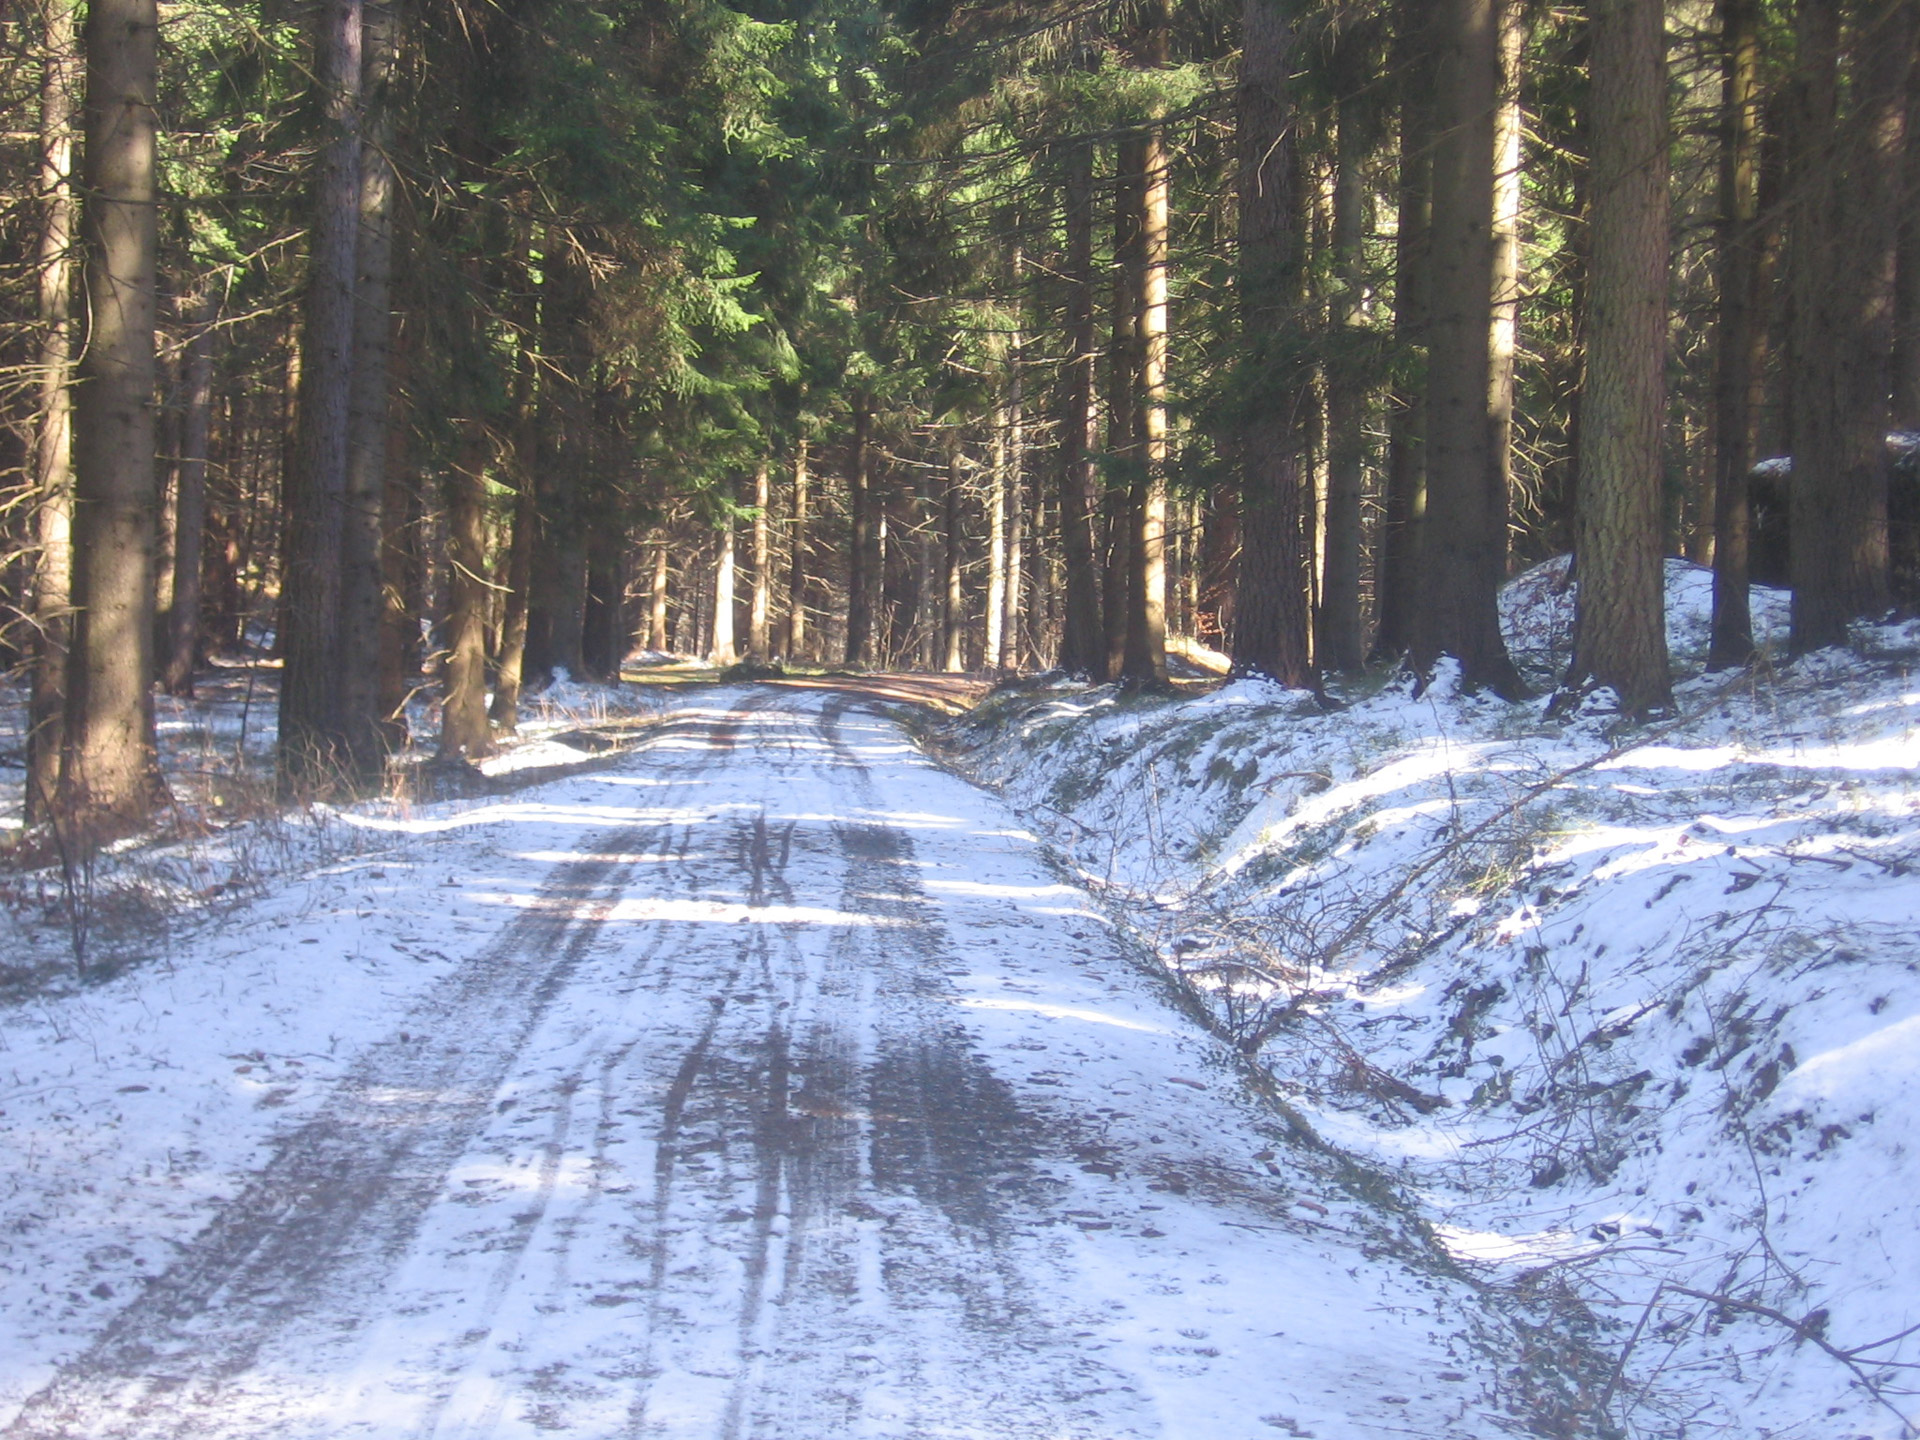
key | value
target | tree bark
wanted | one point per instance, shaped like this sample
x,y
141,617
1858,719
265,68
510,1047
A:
x,y
953,555
1843,262
1503,340
1906,336
110,772
464,731
1145,661
724,651
190,502
760,623
797,579
1397,574
662,568
1620,612
1340,635
1273,610
1081,647
52,574
312,730
1463,544
996,609
1742,334
356,658
863,563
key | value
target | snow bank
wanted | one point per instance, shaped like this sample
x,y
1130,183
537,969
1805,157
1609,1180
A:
x,y
1635,1014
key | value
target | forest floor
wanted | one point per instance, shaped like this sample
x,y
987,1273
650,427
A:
x,y
724,1063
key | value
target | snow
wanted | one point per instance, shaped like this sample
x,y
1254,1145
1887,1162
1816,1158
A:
x,y
1426,1066
1632,1012
766,1080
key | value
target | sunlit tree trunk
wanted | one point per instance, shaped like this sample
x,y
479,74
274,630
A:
x,y
797,579
464,731
863,554
1340,641
953,554
1272,633
760,616
358,645
1463,542
190,503
110,773
1742,332
1014,497
1080,638
1503,341
1397,574
1145,661
312,732
996,612
1620,614
724,650
53,418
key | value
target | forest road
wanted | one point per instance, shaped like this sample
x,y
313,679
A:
x,y
800,1100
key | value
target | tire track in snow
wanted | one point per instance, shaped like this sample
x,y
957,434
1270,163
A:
x,y
340,1200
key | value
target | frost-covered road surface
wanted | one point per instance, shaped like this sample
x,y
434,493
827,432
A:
x,y
774,1088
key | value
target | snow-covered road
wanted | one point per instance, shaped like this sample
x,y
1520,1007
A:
x,y
774,1087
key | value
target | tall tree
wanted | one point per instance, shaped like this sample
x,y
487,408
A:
x,y
1845,177
1080,639
1463,540
356,647
1398,572
1273,608
1620,614
53,419
1742,332
109,773
312,737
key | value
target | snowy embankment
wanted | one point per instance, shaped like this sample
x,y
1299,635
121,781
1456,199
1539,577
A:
x,y
1636,1014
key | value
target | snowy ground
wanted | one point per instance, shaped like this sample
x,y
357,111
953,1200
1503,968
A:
x,y
1635,1015
764,1081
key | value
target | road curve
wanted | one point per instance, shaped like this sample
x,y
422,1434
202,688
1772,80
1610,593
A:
x,y
800,1101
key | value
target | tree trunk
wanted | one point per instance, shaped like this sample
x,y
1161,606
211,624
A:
x,y
312,732
1620,614
1014,499
1080,638
1742,336
760,625
603,632
52,574
1843,257
1341,640
797,580
1123,379
357,649
724,651
463,706
1463,544
996,611
1397,575
1274,604
863,563
1503,337
110,772
1145,662
1906,336
190,502
952,593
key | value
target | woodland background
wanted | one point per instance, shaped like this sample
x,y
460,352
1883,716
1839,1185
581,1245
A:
x,y
434,344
